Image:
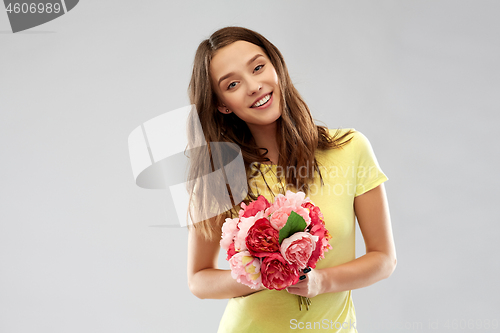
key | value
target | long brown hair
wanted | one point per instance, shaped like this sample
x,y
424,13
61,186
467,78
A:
x,y
297,135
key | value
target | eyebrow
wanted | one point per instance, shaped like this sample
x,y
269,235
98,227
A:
x,y
232,73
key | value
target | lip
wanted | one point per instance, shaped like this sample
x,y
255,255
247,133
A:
x,y
269,102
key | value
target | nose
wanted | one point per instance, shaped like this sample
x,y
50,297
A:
x,y
254,86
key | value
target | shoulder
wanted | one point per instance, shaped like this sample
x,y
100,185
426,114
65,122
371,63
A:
x,y
355,144
356,135
347,138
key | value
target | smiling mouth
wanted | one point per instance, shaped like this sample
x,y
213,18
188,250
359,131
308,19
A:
x,y
263,101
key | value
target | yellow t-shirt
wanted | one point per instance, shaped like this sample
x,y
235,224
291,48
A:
x,y
347,173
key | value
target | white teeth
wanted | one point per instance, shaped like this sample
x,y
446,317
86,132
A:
x,y
262,101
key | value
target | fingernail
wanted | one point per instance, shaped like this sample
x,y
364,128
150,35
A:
x,y
307,270
302,277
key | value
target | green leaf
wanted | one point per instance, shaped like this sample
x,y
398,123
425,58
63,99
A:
x,y
295,223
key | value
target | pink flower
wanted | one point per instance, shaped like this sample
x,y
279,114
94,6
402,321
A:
x,y
296,199
284,205
297,248
246,269
277,273
229,231
261,204
245,224
279,217
280,201
262,239
304,213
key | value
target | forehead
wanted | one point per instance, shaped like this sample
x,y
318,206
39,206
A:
x,y
233,57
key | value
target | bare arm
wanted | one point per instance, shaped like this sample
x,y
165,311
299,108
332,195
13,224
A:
x,y
372,211
205,280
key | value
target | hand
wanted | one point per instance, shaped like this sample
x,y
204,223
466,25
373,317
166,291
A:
x,y
309,286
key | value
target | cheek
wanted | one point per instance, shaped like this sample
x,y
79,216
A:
x,y
233,101
275,80
275,77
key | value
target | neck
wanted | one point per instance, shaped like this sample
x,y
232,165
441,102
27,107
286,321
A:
x,y
265,137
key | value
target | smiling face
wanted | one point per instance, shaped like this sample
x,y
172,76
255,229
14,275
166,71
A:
x,y
246,83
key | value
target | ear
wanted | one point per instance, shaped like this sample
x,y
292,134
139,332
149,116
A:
x,y
223,109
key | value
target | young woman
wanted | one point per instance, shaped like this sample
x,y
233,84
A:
x,y
243,95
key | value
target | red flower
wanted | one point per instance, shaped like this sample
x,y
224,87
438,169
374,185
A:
x,y
314,213
322,244
230,251
254,207
277,273
262,238
317,228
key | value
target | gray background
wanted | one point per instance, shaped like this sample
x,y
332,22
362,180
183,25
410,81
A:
x,y
83,249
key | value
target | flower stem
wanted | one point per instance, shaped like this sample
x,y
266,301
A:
x,y
304,300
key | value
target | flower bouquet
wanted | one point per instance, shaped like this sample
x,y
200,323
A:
x,y
271,243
